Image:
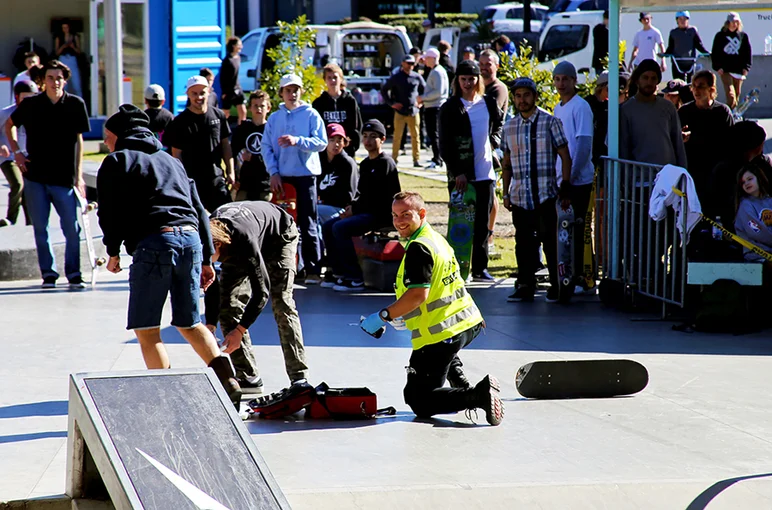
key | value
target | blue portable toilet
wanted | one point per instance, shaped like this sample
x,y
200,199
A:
x,y
185,35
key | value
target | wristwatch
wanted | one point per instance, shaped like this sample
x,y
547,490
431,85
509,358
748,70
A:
x,y
384,314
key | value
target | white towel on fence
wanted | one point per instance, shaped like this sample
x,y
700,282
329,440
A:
x,y
663,196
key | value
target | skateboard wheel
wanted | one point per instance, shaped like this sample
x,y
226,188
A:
x,y
566,281
564,223
100,261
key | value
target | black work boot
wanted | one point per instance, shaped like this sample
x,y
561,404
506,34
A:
x,y
224,372
487,398
456,377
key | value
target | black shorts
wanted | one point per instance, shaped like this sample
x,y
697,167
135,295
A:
x,y
235,98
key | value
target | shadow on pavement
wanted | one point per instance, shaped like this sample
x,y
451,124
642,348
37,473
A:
x,y
296,423
15,438
47,408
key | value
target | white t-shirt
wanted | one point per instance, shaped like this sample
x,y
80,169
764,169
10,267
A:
x,y
576,116
646,41
483,159
22,76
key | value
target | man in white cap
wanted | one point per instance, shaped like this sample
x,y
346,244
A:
x,y
434,96
198,137
160,117
576,115
293,138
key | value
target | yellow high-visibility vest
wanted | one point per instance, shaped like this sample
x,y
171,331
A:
x,y
449,309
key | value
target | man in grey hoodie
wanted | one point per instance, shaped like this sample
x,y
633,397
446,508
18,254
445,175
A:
x,y
435,94
292,141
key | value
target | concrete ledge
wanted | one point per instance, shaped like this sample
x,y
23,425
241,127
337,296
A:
x,y
57,503
18,254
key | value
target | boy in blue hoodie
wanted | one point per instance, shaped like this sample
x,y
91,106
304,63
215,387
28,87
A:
x,y
292,141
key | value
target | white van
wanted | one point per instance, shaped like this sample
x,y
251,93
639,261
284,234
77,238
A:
x,y
365,51
568,36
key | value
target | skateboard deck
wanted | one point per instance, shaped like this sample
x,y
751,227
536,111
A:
x,y
588,264
749,100
461,227
566,222
581,378
85,211
288,200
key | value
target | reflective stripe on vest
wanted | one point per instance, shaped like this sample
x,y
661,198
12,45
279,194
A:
x,y
449,309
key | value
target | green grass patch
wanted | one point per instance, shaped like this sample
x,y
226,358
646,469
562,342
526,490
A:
x,y
431,190
503,267
96,157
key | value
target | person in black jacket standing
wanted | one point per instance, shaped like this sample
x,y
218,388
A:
x,y
378,183
148,203
256,244
401,92
732,57
337,105
600,44
470,128
230,88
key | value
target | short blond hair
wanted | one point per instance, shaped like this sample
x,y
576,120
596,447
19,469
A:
x,y
412,198
221,233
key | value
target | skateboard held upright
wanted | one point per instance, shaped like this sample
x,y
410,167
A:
x,y
565,253
581,378
85,210
288,200
461,227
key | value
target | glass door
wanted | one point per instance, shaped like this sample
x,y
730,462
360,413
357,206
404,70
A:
x,y
135,44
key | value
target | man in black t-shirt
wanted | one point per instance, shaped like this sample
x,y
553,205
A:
x,y
378,182
199,138
230,88
54,122
252,181
160,117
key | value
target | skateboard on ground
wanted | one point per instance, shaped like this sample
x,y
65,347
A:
x,y
581,378
461,227
85,211
566,222
288,200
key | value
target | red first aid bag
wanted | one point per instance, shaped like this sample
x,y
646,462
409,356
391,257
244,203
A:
x,y
345,404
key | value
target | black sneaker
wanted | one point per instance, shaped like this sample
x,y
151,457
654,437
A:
x,y
488,392
523,293
417,164
553,294
77,283
349,285
331,280
251,388
485,276
49,282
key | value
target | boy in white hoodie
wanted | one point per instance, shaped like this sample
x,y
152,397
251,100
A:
x,y
293,138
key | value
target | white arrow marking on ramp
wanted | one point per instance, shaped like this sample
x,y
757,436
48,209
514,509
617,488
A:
x,y
198,497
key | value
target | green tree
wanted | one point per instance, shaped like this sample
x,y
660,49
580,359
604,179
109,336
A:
x,y
288,57
525,64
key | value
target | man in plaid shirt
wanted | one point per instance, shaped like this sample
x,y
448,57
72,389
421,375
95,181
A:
x,y
532,142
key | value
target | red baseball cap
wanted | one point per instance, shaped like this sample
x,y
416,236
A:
x,y
335,130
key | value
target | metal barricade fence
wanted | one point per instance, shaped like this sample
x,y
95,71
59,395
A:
x,y
646,256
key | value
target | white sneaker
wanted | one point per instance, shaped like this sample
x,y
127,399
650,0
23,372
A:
x,y
350,286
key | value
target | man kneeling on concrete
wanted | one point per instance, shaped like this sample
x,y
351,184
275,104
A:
x,y
256,244
148,203
443,318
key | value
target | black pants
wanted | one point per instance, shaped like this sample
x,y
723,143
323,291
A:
x,y
310,244
532,228
432,130
213,192
429,367
580,201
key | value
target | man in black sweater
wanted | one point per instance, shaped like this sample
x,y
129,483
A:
x,y
370,210
160,117
256,244
148,204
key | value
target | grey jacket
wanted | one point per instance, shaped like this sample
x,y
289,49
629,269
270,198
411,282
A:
x,y
754,223
437,88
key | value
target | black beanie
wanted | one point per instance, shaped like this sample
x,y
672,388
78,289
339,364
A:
x,y
128,120
748,135
468,68
649,65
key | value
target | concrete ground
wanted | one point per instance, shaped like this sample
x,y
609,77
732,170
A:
x,y
697,437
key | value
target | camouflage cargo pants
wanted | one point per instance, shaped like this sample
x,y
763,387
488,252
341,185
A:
x,y
235,293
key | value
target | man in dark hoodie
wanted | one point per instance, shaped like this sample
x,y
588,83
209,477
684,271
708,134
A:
x,y
336,105
378,182
148,203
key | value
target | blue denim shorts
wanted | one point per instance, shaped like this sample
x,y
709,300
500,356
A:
x,y
165,263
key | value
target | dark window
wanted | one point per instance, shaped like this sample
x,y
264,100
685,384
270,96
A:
x,y
271,41
250,47
489,13
559,5
589,5
563,40
515,13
